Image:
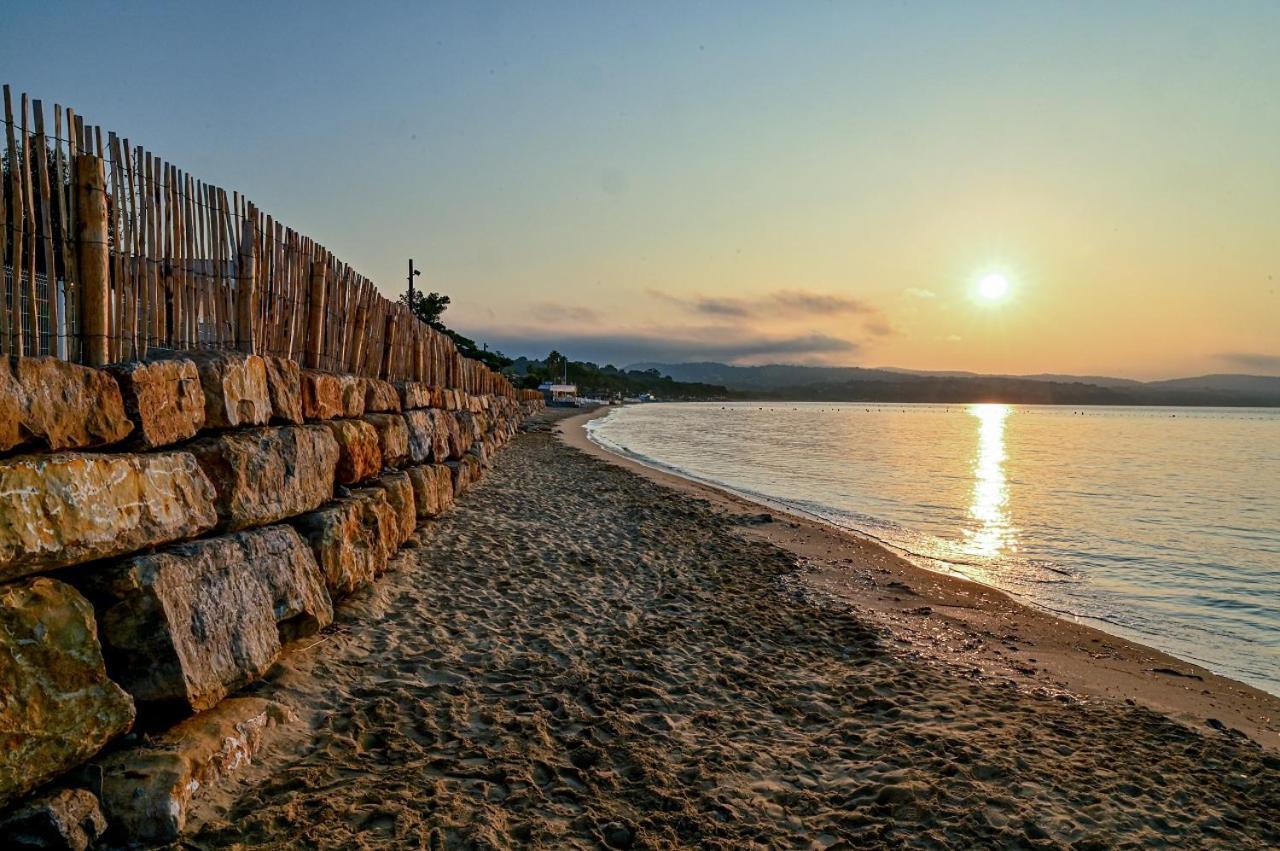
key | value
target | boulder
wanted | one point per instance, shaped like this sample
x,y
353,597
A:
x,y
66,818
321,395
462,474
62,405
63,509
235,388
163,399
380,396
400,497
414,395
351,539
452,399
428,440
352,395
284,386
432,489
393,437
147,791
437,397
10,408
462,432
57,707
359,450
185,627
264,475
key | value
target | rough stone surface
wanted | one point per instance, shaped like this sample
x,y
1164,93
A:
x,y
414,395
393,437
432,489
62,405
67,508
352,395
359,450
147,791
185,627
352,539
284,386
235,389
321,395
461,428
427,439
380,396
400,497
10,408
267,474
57,707
163,399
64,819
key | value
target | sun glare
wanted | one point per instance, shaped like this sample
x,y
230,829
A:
x,y
993,286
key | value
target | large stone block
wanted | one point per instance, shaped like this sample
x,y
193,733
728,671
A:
x,y
413,395
462,430
321,395
62,819
393,437
235,389
267,474
380,396
57,707
61,405
359,450
163,398
352,395
352,539
428,436
63,509
400,497
10,408
432,489
185,627
147,791
284,385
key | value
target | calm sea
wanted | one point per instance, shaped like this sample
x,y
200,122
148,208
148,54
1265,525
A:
x,y
1161,525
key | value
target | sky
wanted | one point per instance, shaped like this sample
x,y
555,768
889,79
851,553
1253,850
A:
x,y
789,182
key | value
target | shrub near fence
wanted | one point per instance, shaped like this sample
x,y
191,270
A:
x,y
144,255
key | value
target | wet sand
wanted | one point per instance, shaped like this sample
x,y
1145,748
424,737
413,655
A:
x,y
581,657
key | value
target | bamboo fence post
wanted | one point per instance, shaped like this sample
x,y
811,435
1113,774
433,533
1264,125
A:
x,y
91,242
387,351
46,225
316,314
246,286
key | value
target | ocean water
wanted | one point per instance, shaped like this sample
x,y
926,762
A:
x,y
1161,525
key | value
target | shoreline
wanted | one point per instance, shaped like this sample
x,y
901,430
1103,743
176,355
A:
x,y
973,627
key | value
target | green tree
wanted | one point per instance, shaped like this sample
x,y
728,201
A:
x,y
428,307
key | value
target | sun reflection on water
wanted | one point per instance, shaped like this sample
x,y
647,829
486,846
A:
x,y
992,533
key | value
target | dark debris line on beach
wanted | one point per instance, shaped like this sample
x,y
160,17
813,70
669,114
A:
x,y
576,657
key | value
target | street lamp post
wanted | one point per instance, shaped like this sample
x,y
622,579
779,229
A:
x,y
412,273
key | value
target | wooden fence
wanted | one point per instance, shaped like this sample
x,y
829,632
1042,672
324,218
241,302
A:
x,y
109,251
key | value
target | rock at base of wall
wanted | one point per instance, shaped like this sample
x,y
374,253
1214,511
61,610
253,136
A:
x,y
321,395
380,396
60,405
162,398
432,489
400,497
57,707
235,388
147,791
413,395
393,437
284,386
267,474
452,399
426,441
65,819
352,538
462,428
63,509
185,627
359,451
352,395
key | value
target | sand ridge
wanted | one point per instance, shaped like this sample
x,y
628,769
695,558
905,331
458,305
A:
x,y
579,657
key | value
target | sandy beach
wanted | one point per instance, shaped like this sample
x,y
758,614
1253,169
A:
x,y
586,653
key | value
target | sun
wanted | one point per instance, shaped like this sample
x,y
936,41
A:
x,y
993,286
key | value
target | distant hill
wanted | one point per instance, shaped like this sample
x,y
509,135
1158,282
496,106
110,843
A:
x,y
852,384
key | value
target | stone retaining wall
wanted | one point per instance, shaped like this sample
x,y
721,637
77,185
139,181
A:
x,y
167,528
